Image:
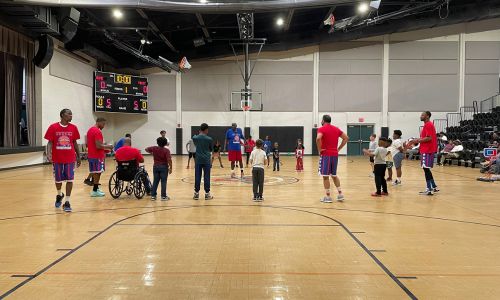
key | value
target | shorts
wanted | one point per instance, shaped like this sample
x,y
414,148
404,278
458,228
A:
x,y
427,160
216,154
372,160
398,160
328,165
389,164
234,155
192,154
96,165
64,172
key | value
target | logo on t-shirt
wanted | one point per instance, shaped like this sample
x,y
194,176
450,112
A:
x,y
64,141
236,139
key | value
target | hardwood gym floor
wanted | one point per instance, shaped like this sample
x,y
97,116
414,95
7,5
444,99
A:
x,y
291,246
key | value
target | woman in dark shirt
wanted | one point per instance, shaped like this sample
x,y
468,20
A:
x,y
216,153
161,168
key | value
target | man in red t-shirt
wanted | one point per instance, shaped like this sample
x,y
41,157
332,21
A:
x,y
327,142
428,148
128,153
249,145
63,152
96,154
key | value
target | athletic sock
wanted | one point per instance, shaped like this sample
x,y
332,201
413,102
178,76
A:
x,y
96,187
67,198
339,190
59,192
399,179
327,191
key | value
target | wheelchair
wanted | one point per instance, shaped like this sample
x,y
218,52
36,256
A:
x,y
130,178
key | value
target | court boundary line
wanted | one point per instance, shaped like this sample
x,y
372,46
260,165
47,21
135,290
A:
x,y
294,206
353,237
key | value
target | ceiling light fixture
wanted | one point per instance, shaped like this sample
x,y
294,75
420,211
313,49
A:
x,y
203,1
280,22
117,13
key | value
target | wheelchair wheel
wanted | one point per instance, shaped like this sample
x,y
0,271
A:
x,y
140,181
115,186
129,189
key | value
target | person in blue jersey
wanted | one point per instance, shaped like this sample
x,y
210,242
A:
x,y
234,141
268,145
121,141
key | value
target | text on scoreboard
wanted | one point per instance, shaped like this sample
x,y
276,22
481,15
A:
x,y
120,93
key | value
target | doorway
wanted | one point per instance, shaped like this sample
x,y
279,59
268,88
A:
x,y
359,138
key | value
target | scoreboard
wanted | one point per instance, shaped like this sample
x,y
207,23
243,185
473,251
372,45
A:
x,y
120,93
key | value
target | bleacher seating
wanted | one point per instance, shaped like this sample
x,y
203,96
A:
x,y
475,135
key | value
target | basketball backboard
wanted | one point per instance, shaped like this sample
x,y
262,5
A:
x,y
241,101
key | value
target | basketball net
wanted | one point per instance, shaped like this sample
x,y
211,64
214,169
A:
x,y
330,20
246,105
184,64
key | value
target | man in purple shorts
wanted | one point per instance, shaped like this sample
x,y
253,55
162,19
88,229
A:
x,y
62,151
428,148
327,142
97,153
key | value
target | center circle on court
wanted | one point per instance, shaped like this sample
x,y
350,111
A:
x,y
227,180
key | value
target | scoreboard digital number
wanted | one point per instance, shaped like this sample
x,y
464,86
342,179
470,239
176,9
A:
x,y
120,93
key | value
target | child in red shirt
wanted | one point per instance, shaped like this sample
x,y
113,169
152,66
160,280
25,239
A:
x,y
299,154
249,145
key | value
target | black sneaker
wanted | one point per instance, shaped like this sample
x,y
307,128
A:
x,y
196,196
208,196
260,198
59,200
435,190
67,206
88,182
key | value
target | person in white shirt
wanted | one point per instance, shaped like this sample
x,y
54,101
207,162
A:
x,y
371,148
258,159
457,150
397,152
191,149
163,134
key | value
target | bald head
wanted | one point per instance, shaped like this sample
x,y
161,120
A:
x,y
127,142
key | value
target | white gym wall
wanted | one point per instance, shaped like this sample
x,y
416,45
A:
x,y
423,73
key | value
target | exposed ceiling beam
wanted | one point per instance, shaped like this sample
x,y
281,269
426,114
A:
x,y
330,11
203,26
156,30
288,20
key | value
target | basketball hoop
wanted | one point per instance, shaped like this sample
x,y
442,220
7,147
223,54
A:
x,y
246,105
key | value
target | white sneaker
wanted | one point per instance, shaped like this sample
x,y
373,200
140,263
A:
x,y
426,193
340,197
326,199
396,182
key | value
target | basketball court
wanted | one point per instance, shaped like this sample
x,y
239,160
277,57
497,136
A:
x,y
272,70
287,247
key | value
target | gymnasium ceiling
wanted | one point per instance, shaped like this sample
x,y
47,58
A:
x,y
172,33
